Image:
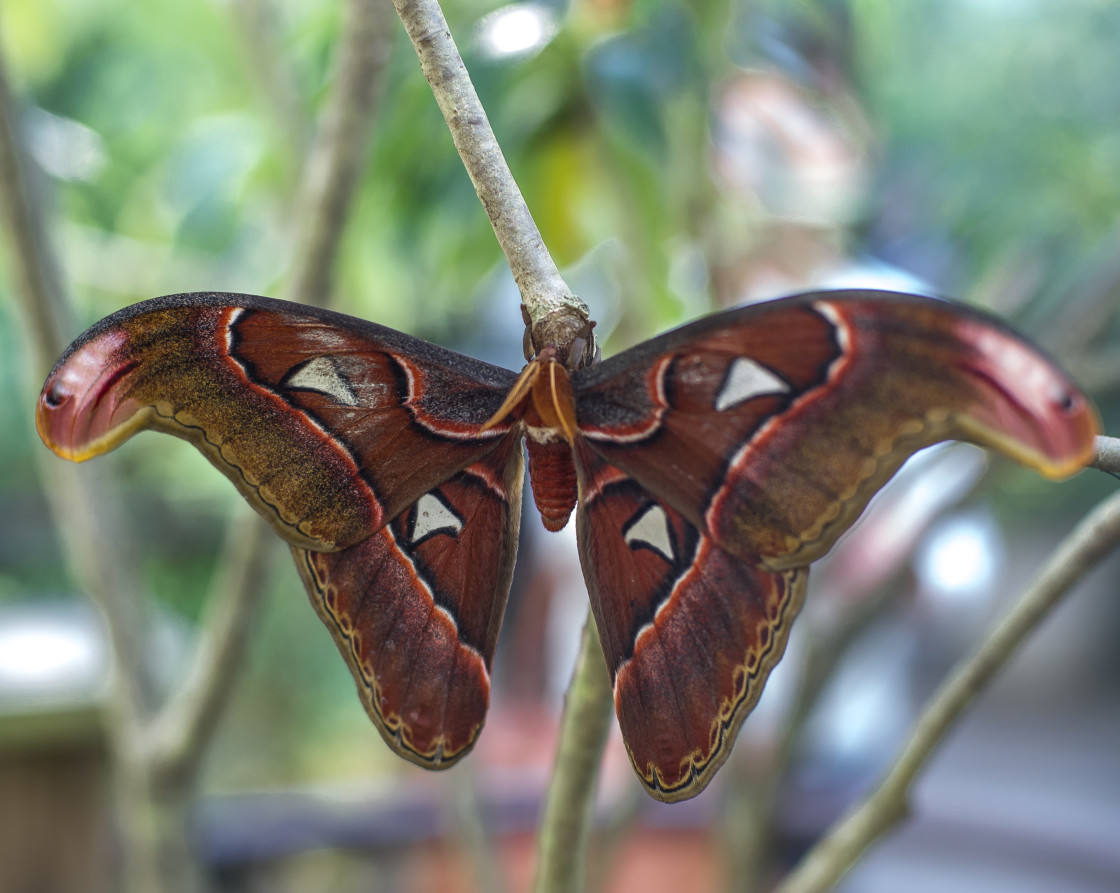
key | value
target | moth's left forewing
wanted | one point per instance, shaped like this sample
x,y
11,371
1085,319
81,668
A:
x,y
689,632
408,411
416,609
328,425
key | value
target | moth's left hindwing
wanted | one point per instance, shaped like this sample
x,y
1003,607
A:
x,y
416,608
362,447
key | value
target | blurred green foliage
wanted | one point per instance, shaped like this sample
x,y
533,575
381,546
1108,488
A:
x,y
173,136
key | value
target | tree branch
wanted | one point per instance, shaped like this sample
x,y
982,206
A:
x,y
39,285
558,317
474,837
562,839
184,727
830,859
83,513
1108,455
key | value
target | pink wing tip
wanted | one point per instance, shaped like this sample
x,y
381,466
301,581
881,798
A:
x,y
81,409
1038,416
1075,428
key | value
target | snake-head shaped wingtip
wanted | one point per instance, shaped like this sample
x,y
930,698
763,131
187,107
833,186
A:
x,y
1031,410
84,408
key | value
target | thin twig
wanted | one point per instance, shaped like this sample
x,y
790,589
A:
x,y
543,290
1092,539
562,841
178,735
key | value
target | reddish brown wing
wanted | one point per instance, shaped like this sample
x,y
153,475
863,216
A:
x,y
690,633
415,609
329,425
770,427
346,436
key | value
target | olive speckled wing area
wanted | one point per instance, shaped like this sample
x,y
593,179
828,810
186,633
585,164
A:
x,y
769,428
690,632
415,609
329,425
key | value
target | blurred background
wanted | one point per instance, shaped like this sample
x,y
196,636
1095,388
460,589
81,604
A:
x,y
678,158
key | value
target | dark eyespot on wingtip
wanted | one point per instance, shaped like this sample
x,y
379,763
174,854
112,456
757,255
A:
x,y
55,396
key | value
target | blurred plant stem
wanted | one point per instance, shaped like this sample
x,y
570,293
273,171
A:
x,y
1090,542
562,838
157,748
259,34
334,164
39,286
473,832
751,805
84,513
749,813
179,735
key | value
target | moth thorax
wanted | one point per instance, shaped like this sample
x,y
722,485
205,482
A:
x,y
542,434
553,405
553,477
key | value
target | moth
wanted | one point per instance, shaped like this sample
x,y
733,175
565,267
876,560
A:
x,y
708,468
